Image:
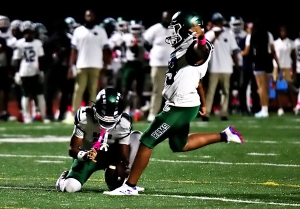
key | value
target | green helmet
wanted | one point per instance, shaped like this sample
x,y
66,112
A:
x,y
108,108
181,23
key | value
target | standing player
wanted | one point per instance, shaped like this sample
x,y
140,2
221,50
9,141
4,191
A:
x,y
28,61
121,141
187,66
133,68
297,46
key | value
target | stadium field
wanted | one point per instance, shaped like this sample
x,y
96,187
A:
x,y
262,173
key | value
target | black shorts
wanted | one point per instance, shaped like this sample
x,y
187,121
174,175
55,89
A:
x,y
31,86
298,80
133,70
5,81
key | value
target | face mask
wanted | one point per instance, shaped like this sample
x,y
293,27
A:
x,y
90,24
3,30
165,24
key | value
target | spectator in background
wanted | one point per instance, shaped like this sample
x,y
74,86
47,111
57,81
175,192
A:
x,y
28,59
247,77
225,53
87,42
286,52
297,47
259,45
133,69
57,51
5,67
159,56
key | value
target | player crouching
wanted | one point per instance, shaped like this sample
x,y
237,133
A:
x,y
102,140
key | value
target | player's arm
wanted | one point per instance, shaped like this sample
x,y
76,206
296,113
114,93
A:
x,y
16,59
200,47
202,98
124,128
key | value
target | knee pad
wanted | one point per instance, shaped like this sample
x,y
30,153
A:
x,y
72,185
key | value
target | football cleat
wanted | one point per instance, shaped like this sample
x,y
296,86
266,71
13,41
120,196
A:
x,y
62,176
233,135
123,190
140,189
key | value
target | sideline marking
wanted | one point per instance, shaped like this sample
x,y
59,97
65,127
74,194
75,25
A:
x,y
36,140
164,161
261,154
181,196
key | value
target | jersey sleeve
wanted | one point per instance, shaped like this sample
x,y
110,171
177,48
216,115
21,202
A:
x,y
149,35
80,122
124,129
40,51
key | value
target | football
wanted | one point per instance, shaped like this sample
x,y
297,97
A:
x,y
115,176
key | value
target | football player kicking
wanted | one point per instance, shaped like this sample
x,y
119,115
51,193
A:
x,y
120,141
187,65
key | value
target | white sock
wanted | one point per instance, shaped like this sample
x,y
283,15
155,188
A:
x,y
42,105
25,107
298,100
33,108
264,109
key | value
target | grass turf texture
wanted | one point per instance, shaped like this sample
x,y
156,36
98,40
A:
x,y
262,173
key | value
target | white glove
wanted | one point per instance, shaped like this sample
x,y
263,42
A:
x,y
17,79
41,77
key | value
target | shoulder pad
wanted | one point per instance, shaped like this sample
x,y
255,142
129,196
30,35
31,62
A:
x,y
127,117
82,115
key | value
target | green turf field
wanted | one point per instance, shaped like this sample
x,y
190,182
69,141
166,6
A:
x,y
262,173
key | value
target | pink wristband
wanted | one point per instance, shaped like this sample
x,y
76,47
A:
x,y
201,42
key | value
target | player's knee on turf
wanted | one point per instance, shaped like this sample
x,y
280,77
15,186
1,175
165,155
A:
x,y
72,185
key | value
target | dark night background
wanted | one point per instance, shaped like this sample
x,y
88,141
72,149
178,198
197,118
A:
x,y
276,12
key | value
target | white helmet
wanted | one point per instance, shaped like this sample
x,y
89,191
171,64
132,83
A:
x,y
136,28
15,24
27,25
122,25
236,24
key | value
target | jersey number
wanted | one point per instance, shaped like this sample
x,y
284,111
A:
x,y
29,54
172,66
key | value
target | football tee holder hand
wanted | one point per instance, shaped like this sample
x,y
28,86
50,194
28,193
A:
x,y
99,145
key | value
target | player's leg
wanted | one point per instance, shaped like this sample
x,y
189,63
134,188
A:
x,y
92,82
158,131
38,91
26,92
213,82
126,83
72,181
134,145
80,86
297,108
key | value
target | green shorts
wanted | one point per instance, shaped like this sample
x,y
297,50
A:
x,y
172,123
133,70
31,86
82,170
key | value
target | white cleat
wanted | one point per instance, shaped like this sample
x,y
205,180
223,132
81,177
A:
x,y
62,176
140,189
297,109
123,190
261,114
233,135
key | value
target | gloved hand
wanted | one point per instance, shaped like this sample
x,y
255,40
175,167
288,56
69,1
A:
x,y
41,77
17,79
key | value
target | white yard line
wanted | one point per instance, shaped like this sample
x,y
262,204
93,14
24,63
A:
x,y
36,140
261,154
164,161
49,161
181,197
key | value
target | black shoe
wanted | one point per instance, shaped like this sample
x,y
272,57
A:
x,y
4,116
245,113
224,118
205,118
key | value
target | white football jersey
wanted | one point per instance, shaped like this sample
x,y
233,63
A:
x,y
116,40
128,39
182,79
297,46
87,128
28,53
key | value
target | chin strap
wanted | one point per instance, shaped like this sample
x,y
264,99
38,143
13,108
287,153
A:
x,y
104,145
